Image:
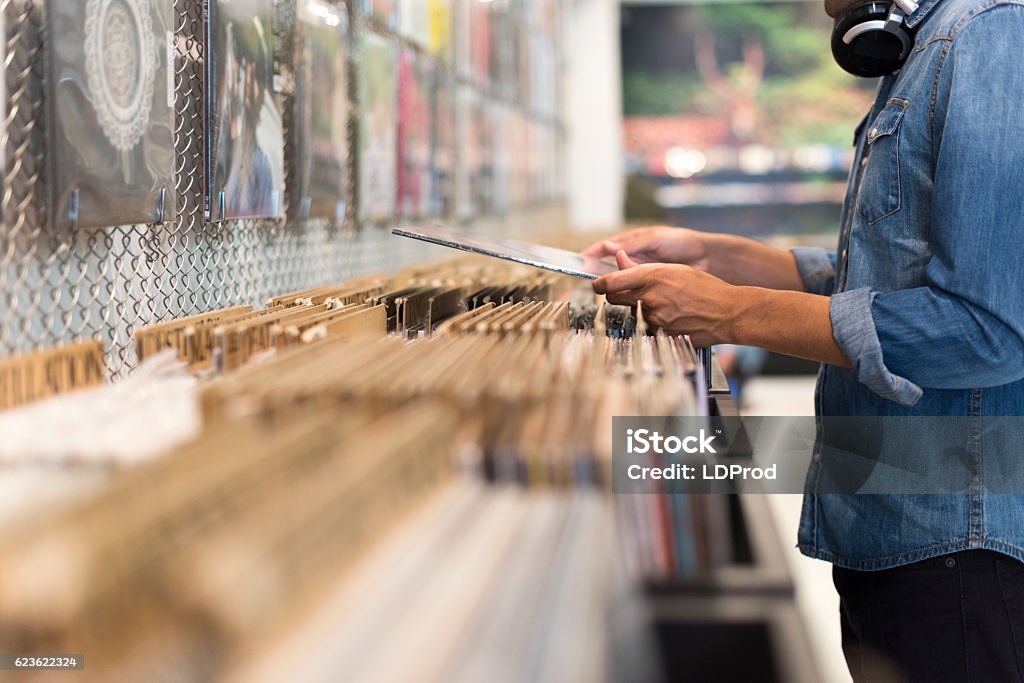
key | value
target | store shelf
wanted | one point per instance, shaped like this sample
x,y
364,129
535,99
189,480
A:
x,y
732,639
757,565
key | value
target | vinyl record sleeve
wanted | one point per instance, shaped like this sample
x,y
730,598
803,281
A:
x,y
480,42
378,127
467,177
382,10
440,38
485,128
414,112
442,145
245,134
536,255
320,121
462,48
111,115
414,21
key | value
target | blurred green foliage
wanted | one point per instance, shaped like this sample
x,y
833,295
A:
x,y
803,97
668,94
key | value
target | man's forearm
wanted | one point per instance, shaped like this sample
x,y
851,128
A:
x,y
743,261
793,323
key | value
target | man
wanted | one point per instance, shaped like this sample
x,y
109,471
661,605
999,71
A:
x,y
920,312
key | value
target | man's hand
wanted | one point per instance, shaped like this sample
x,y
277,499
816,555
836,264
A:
x,y
656,245
676,298
737,260
682,300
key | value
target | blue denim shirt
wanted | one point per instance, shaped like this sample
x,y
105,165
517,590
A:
x,y
927,285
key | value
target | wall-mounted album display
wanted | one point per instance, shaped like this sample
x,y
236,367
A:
x,y
245,135
111,113
378,126
320,130
485,182
442,145
414,110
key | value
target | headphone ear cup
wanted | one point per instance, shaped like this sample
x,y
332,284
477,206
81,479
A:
x,y
871,51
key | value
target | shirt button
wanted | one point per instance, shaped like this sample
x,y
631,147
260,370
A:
x,y
863,162
874,132
950,562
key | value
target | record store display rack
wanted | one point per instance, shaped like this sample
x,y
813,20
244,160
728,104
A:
x,y
424,456
167,157
292,447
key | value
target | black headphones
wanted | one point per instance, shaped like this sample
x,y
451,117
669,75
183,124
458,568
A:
x,y
871,39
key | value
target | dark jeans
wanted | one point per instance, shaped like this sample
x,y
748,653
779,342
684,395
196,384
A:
x,y
958,617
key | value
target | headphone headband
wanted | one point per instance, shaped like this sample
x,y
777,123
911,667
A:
x,y
871,39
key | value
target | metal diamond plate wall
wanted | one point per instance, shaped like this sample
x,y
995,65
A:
x,y
103,284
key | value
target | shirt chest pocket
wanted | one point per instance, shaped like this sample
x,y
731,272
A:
x,y
879,194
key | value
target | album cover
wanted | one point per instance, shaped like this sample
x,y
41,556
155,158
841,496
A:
x,y
542,75
502,51
467,177
414,111
320,123
383,10
111,113
480,42
245,135
501,120
544,154
463,48
413,21
442,145
485,182
518,159
544,144
378,127
440,39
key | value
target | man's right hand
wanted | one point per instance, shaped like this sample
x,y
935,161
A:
x,y
657,244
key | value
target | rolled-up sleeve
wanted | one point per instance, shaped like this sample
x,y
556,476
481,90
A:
x,y
964,327
853,328
817,269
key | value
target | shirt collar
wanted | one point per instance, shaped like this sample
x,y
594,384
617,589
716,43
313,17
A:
x,y
921,12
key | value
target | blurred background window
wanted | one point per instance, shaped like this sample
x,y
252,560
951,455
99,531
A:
x,y
736,118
